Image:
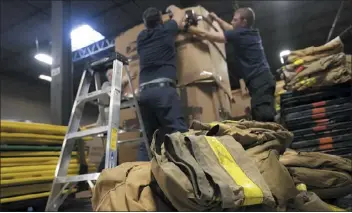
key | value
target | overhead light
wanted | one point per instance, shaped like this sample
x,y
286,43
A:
x,y
284,53
83,36
44,58
45,77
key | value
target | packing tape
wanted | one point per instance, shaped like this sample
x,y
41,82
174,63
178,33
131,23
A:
x,y
253,194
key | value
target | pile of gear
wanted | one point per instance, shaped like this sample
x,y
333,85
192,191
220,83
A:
x,y
320,119
225,166
317,66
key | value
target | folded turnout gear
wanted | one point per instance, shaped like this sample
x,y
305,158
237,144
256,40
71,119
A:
x,y
307,201
127,188
327,175
263,143
332,47
330,70
203,173
317,66
248,133
320,65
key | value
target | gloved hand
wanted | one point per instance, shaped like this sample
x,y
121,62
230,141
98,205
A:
x,y
191,19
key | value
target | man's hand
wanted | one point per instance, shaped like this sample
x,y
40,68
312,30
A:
x,y
213,16
177,14
223,24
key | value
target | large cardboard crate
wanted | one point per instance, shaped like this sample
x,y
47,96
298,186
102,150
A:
x,y
198,61
241,105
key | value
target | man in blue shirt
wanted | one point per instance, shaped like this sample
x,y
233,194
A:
x,y
159,102
251,62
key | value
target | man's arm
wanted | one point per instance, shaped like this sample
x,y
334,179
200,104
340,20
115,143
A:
x,y
223,24
177,15
211,36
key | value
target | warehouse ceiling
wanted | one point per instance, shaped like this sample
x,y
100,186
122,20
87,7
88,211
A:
x,y
283,25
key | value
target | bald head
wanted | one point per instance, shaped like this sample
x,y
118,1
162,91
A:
x,y
243,17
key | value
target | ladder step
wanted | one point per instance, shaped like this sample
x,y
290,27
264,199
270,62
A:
x,y
127,104
88,132
93,96
77,178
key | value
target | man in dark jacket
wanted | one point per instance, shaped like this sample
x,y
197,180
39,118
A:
x,y
159,102
251,62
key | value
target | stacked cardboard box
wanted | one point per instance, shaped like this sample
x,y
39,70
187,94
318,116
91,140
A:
x,y
241,106
203,80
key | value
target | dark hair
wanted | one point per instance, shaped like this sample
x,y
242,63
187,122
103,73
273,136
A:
x,y
248,14
152,17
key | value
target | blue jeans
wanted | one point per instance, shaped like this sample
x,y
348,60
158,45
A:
x,y
160,109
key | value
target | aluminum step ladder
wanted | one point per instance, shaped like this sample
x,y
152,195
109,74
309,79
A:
x,y
62,184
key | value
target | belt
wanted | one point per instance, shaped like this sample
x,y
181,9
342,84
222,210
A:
x,y
161,84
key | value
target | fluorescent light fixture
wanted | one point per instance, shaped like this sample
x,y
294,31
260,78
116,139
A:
x,y
44,58
45,77
84,35
284,53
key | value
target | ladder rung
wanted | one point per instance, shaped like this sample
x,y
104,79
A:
x,y
127,104
93,96
77,178
88,132
131,141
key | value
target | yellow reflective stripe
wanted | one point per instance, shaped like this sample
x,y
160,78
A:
x,y
312,81
253,194
113,139
230,121
187,133
212,124
298,62
336,209
301,187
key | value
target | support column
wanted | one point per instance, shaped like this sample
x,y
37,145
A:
x,y
61,92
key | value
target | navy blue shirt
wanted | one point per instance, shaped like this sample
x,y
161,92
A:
x,y
157,52
249,52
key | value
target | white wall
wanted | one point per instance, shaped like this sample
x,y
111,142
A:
x,y
30,100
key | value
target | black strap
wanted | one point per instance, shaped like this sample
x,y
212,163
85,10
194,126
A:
x,y
160,194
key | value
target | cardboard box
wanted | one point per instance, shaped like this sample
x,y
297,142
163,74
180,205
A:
x,y
205,102
95,151
242,101
196,60
241,106
128,119
127,151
